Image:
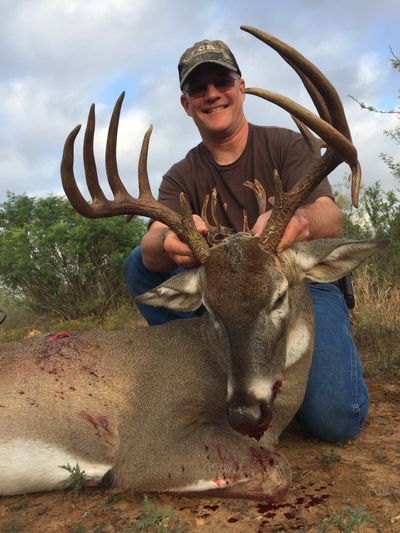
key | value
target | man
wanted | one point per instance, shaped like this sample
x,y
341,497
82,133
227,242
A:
x,y
232,157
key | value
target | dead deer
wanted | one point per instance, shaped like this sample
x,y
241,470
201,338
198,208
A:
x,y
176,407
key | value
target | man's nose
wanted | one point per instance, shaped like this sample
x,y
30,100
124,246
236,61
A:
x,y
211,92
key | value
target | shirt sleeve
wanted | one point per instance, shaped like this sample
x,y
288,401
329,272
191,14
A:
x,y
168,193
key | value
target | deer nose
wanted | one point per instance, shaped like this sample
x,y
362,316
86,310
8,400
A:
x,y
249,416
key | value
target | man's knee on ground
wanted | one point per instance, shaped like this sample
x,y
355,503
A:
x,y
339,423
132,267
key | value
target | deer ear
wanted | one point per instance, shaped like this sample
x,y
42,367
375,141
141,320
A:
x,y
328,260
182,292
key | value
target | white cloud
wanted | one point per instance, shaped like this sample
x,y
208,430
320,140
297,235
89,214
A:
x,y
369,69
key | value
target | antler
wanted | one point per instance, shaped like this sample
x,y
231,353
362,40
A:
x,y
331,126
123,203
217,232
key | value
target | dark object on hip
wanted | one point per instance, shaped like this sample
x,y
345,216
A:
x,y
346,286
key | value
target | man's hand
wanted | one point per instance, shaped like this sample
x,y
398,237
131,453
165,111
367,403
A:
x,y
318,220
163,251
297,230
177,250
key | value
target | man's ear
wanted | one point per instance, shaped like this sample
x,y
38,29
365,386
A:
x,y
327,260
242,88
185,104
182,292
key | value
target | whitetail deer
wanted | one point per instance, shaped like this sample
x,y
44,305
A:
x,y
175,407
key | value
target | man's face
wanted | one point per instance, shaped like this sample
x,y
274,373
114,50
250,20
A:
x,y
214,100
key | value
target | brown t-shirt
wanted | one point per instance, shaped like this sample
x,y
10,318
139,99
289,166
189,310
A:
x,y
267,148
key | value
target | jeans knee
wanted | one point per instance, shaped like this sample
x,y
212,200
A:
x,y
134,274
339,423
133,260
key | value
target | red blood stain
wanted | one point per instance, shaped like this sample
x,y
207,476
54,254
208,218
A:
x,y
211,507
60,335
268,507
276,388
97,422
258,456
89,370
314,500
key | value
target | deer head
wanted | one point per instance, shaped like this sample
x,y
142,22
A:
x,y
248,289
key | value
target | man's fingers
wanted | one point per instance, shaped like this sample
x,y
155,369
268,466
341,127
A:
x,y
173,245
179,251
297,230
260,224
184,261
200,225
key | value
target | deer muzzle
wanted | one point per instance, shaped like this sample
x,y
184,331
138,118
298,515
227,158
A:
x,y
249,416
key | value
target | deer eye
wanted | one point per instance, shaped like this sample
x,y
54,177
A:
x,y
279,301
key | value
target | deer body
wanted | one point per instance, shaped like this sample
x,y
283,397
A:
x,y
151,404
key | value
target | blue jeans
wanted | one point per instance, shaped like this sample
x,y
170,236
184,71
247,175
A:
x,y
336,400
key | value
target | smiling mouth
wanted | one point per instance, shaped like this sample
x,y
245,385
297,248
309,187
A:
x,y
215,109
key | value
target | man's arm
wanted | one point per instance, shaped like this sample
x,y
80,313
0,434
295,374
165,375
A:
x,y
163,251
318,220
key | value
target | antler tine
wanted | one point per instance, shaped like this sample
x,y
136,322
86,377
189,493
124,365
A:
x,y
123,203
327,132
89,161
114,180
68,178
321,88
326,100
144,185
333,138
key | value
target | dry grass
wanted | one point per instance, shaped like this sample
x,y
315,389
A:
x,y
376,324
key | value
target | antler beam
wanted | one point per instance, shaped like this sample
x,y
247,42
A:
x,y
123,203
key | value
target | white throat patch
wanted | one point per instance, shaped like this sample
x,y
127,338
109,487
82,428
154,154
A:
x,y
299,339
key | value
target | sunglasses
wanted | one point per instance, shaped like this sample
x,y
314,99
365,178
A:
x,y
222,84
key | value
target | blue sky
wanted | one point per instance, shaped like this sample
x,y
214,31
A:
x,y
59,56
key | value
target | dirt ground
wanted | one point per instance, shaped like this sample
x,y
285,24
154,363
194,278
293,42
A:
x,y
351,487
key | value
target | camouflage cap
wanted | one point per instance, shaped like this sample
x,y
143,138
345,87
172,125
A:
x,y
206,52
